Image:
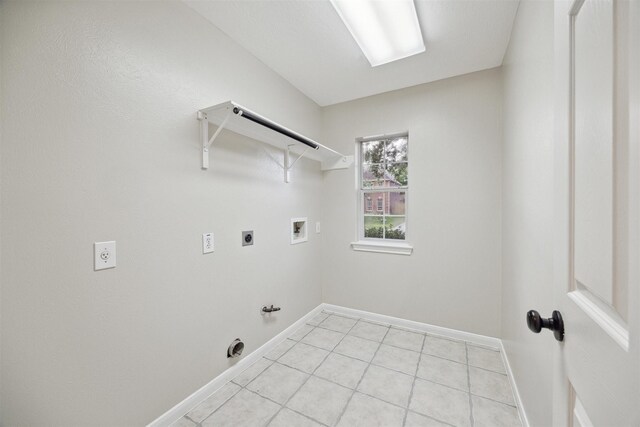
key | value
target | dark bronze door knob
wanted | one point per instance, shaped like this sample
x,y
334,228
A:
x,y
536,323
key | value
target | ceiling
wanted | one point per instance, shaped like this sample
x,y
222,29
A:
x,y
306,42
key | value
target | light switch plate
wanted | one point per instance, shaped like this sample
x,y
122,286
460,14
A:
x,y
104,255
317,227
207,243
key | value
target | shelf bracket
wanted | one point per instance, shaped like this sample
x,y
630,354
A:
x,y
338,162
288,166
204,135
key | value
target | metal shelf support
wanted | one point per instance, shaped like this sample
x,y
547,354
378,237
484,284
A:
x,y
204,133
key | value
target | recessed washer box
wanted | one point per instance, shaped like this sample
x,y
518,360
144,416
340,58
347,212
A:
x,y
298,230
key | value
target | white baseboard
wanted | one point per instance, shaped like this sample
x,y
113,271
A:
x,y
481,340
514,387
175,413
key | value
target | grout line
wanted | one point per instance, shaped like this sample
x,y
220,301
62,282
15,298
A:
x,y
431,418
190,419
466,350
380,342
395,346
285,352
369,363
220,406
488,370
495,401
361,378
309,377
413,384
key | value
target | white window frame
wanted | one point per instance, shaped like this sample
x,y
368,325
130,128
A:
x,y
399,247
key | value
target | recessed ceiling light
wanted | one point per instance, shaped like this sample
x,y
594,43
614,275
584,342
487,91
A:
x,y
385,30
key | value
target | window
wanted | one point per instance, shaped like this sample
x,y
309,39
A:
x,y
383,177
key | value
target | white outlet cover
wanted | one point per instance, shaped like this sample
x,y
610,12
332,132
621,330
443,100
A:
x,y
104,255
207,243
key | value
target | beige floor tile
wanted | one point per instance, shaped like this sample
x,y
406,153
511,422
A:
x,y
485,358
417,420
301,332
245,409
491,385
278,382
441,402
338,323
321,400
404,339
280,349
288,418
370,331
343,370
365,411
443,371
252,371
487,413
304,357
357,347
398,359
449,349
319,318
323,338
213,402
385,384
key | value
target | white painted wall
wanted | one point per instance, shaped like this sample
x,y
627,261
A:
x,y
527,200
452,279
100,142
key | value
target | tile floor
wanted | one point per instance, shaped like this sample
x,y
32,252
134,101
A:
x,y
341,371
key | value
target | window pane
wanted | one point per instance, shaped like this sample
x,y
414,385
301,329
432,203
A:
x,y
374,226
371,203
373,152
395,227
373,176
396,175
396,201
396,150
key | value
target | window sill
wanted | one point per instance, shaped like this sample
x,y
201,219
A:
x,y
382,247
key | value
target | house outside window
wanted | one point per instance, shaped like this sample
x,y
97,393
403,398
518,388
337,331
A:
x,y
383,177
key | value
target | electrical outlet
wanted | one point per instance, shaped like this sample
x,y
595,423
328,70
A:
x,y
207,243
104,255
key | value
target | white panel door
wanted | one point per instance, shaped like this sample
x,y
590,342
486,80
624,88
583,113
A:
x,y
597,247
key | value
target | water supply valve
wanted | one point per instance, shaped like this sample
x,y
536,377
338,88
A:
x,y
271,309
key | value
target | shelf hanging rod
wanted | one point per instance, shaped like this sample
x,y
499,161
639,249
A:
x,y
275,127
